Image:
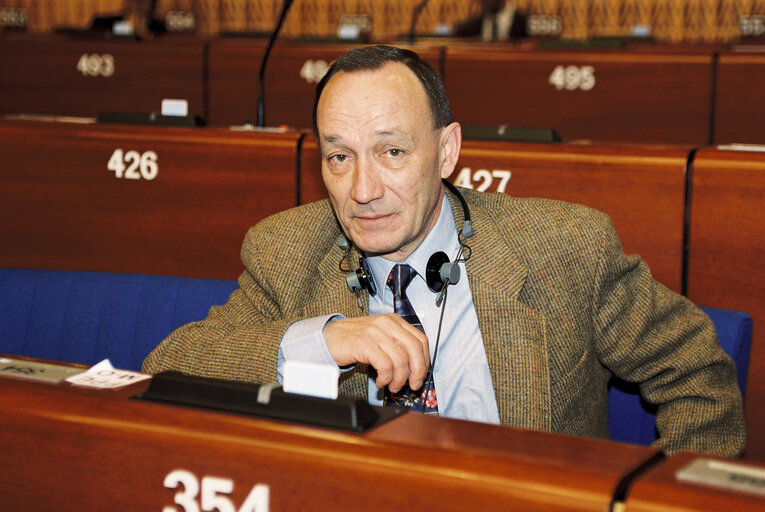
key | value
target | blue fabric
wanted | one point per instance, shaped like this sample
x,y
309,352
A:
x,y
85,317
632,420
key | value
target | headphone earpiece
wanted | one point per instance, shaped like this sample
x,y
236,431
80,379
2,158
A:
x,y
439,270
361,279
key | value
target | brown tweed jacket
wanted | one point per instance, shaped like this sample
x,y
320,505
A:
x,y
560,308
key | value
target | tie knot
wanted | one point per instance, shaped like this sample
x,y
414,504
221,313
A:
x,y
399,278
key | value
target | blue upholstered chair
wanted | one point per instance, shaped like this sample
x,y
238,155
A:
x,y
85,317
632,420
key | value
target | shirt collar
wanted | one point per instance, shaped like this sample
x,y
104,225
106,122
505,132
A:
x,y
443,237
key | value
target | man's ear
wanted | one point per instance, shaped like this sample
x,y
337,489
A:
x,y
451,142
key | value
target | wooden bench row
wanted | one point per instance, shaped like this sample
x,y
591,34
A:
x,y
178,201
639,93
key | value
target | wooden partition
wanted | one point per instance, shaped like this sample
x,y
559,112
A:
x,y
631,95
661,489
64,75
727,253
642,188
69,448
139,199
65,448
740,107
292,73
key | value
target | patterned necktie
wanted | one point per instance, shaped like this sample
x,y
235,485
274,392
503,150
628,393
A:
x,y
423,399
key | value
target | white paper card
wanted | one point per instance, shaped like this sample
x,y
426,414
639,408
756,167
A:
x,y
175,107
311,379
103,375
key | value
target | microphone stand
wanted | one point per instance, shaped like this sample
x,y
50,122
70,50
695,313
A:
x,y
261,76
415,16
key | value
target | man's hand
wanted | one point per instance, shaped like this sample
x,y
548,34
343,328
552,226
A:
x,y
394,347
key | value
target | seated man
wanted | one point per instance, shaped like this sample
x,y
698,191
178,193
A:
x,y
547,308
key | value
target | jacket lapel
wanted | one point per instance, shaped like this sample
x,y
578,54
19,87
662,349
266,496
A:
x,y
513,333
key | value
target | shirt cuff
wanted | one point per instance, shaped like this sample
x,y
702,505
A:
x,y
304,341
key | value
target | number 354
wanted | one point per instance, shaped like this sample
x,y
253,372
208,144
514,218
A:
x,y
213,495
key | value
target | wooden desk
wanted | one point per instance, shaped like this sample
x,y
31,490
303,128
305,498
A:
x,y
660,490
739,103
67,448
642,188
726,255
50,74
631,95
292,73
63,208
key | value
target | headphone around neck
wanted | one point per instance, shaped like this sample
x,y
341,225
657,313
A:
x,y
439,271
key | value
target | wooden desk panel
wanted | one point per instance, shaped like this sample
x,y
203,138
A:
x,y
660,490
62,208
726,256
631,96
292,73
69,449
311,183
233,81
642,189
40,75
739,107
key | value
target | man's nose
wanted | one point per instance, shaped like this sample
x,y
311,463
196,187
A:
x,y
367,181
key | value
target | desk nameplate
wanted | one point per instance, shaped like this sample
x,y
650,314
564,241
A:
x,y
36,371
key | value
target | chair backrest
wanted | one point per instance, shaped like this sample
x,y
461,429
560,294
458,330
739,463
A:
x,y
633,420
85,317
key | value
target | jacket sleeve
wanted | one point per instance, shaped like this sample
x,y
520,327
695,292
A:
x,y
648,334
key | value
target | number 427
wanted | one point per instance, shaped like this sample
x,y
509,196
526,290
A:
x,y
483,178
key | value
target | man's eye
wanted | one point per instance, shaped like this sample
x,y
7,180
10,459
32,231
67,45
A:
x,y
395,152
338,158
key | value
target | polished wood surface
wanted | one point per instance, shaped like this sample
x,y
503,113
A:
x,y
661,491
739,107
41,76
726,256
64,209
637,95
641,188
292,72
234,65
65,448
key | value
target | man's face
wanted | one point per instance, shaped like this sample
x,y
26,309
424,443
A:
x,y
382,160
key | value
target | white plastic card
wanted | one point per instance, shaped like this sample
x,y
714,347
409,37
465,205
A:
x,y
175,107
311,379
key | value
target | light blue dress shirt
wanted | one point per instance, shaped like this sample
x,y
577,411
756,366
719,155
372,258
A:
x,y
461,371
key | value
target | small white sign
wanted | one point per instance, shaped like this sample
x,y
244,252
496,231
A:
x,y
175,107
311,379
103,375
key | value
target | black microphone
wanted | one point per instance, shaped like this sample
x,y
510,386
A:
x,y
261,76
415,16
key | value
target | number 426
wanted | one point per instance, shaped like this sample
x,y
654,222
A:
x,y
133,165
